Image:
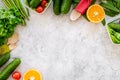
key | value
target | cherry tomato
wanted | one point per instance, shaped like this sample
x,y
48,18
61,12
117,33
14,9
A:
x,y
39,9
43,3
16,75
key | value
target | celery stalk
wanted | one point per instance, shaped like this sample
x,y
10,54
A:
x,y
22,10
5,2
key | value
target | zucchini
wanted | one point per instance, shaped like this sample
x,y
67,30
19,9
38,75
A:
x,y
57,6
6,72
4,58
65,7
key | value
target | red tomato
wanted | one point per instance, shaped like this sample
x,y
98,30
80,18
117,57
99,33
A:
x,y
39,9
43,3
16,75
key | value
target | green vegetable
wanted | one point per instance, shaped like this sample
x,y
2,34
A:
x,y
111,7
65,7
27,2
34,3
57,6
6,72
114,26
114,33
21,9
9,19
116,4
103,22
18,5
110,13
11,3
6,3
114,39
4,58
115,36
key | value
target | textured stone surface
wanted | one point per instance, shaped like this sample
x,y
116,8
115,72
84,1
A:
x,y
65,50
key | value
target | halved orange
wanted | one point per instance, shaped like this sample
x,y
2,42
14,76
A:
x,y
32,74
95,13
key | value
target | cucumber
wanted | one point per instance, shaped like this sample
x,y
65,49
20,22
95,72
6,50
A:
x,y
34,3
65,7
6,72
4,58
57,6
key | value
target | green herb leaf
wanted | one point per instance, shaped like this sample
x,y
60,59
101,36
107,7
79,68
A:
x,y
9,19
104,22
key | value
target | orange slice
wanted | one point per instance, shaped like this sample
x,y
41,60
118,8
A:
x,y
95,13
32,75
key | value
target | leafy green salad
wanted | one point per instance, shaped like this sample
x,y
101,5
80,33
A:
x,y
114,31
9,18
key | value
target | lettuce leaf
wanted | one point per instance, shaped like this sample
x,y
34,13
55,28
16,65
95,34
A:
x,y
9,19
